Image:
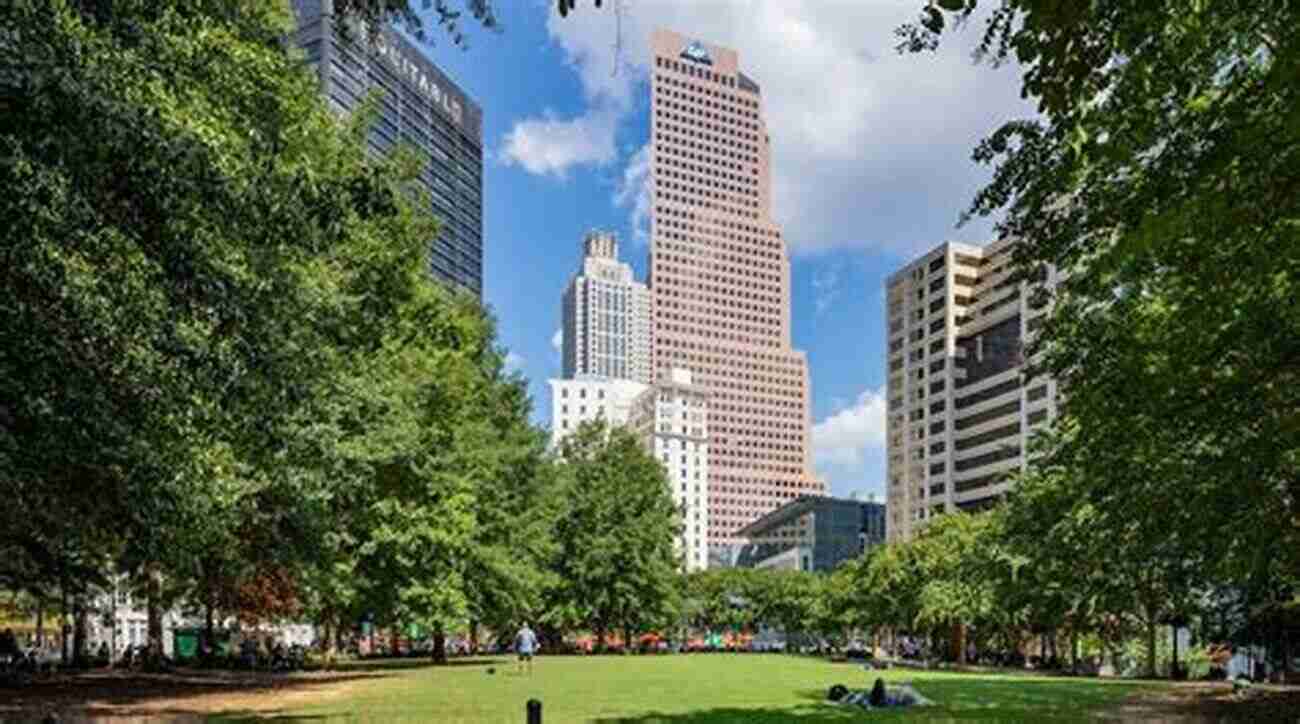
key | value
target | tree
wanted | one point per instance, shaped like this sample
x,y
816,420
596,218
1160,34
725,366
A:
x,y
169,273
720,598
615,565
376,13
786,600
225,362
1161,181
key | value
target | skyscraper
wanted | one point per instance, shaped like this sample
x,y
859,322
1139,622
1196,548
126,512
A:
x,y
419,105
959,416
720,281
606,316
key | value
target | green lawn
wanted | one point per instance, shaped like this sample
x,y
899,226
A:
x,y
698,689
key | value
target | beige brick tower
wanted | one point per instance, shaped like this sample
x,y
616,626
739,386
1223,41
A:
x,y
720,281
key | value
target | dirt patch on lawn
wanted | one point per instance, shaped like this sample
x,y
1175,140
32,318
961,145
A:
x,y
1211,702
172,697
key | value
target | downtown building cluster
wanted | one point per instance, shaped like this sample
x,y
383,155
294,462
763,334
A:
x,y
724,399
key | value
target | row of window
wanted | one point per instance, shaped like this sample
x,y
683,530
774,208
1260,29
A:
x,y
705,74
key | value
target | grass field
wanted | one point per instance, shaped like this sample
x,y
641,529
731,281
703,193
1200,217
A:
x,y
699,689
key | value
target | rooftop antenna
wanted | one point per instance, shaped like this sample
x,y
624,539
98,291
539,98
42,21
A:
x,y
618,37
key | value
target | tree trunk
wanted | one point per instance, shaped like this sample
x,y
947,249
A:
x,y
1286,655
1151,647
331,644
78,631
63,627
154,610
209,628
627,637
1074,651
473,637
40,624
112,647
1173,664
439,645
600,637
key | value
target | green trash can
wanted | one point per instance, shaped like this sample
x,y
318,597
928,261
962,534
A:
x,y
185,644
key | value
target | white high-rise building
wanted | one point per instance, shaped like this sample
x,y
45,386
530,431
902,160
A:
x,y
960,415
606,325
671,418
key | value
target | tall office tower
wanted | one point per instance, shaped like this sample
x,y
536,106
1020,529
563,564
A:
x,y
672,419
720,282
420,106
606,325
959,418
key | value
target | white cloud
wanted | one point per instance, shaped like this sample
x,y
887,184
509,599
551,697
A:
x,y
871,149
557,340
514,362
844,437
551,146
634,192
826,286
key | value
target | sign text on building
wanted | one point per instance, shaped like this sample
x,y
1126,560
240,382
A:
x,y
697,52
413,73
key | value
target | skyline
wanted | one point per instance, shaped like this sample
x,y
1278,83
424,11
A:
x,y
561,186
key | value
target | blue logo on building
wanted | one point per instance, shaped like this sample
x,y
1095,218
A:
x,y
696,52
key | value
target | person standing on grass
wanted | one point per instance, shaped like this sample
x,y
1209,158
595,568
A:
x,y
525,647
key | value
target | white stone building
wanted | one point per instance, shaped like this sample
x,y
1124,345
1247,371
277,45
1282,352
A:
x,y
671,418
606,316
576,401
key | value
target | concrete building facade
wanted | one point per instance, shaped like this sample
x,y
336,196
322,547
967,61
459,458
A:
x,y
606,316
586,398
720,281
672,420
418,105
959,416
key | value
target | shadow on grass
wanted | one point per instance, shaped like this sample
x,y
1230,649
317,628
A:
x,y
408,664
958,698
132,693
243,717
809,714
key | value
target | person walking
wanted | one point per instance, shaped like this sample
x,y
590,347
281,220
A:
x,y
525,647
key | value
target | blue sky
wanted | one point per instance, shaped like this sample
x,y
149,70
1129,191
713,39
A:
x,y
871,166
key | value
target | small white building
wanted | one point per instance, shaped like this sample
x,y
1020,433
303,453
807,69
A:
x,y
586,398
122,621
671,418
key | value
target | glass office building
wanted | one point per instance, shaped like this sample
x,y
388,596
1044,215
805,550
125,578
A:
x,y
419,106
811,533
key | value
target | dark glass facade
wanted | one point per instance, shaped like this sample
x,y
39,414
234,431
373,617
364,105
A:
x,y
419,106
826,532
992,351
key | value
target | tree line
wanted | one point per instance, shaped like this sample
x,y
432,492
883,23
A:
x,y
228,378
